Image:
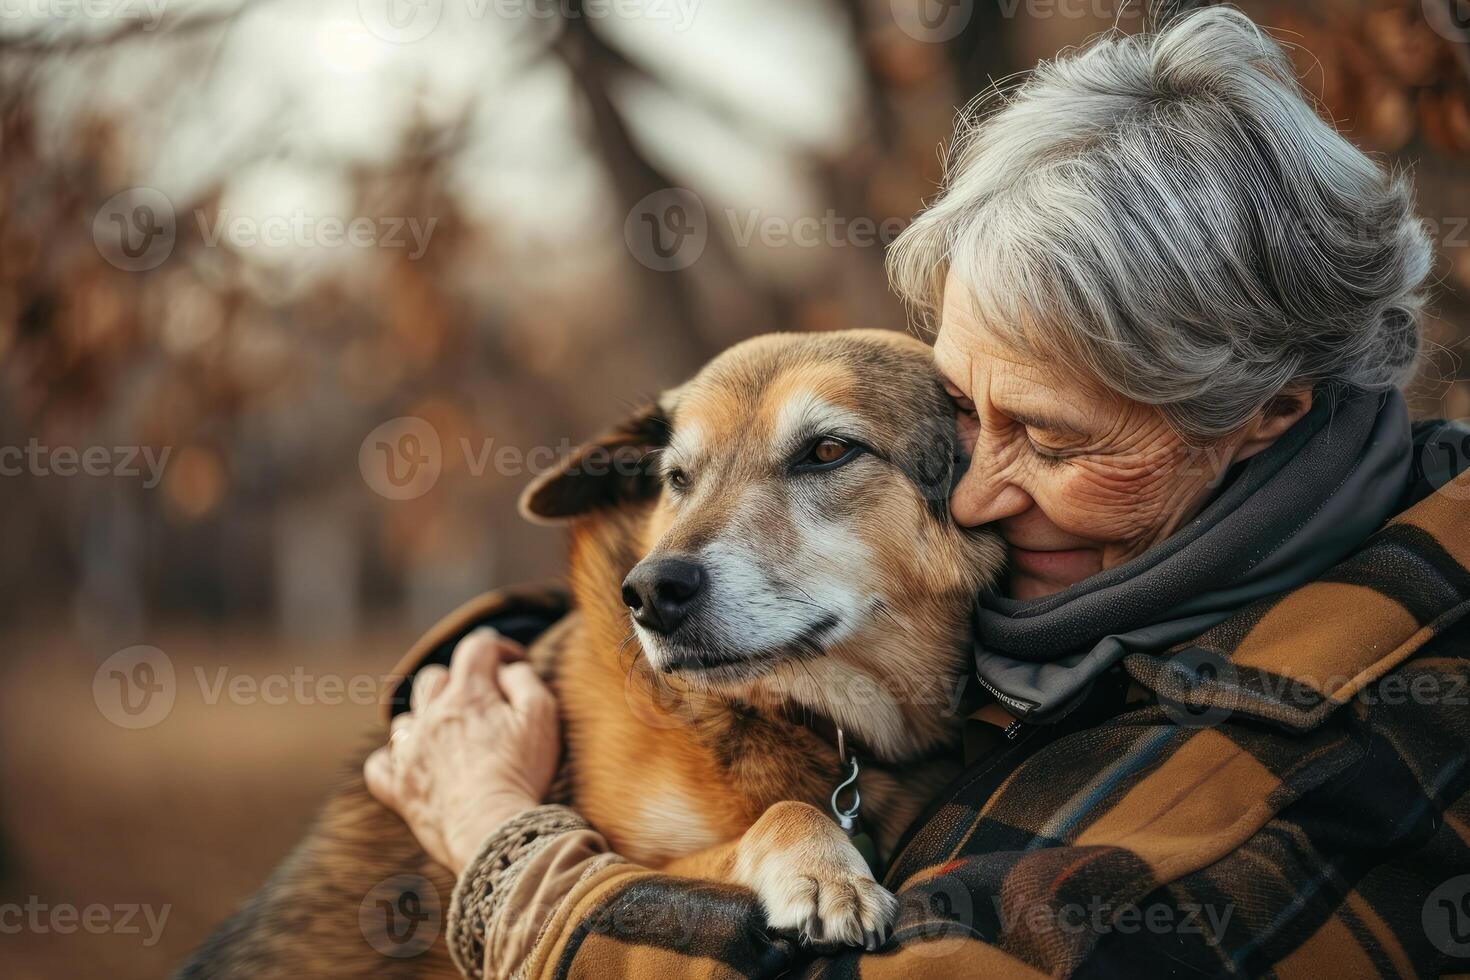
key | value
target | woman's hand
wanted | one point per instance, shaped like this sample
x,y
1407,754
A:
x,y
479,746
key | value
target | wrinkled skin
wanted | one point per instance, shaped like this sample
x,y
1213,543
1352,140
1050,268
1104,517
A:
x,y
479,747
1076,478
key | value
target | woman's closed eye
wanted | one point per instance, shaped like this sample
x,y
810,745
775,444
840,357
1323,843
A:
x,y
963,404
967,419
968,423
1046,455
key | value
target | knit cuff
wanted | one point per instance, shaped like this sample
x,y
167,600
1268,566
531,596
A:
x,y
476,900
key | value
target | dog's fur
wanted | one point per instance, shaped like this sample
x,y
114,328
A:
x,y
835,596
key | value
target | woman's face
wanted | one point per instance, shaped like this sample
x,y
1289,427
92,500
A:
x,y
1076,478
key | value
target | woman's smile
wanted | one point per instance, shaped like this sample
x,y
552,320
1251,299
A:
x,y
1055,569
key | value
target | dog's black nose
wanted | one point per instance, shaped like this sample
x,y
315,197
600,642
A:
x,y
661,591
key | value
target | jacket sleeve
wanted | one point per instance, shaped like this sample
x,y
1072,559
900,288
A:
x,y
521,874
545,897
545,889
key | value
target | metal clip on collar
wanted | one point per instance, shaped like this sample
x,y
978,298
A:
x,y
846,818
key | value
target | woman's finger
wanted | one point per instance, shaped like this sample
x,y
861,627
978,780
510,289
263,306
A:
x,y
427,684
523,689
399,723
473,665
377,772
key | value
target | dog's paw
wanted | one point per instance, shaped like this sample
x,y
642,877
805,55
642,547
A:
x,y
826,901
812,881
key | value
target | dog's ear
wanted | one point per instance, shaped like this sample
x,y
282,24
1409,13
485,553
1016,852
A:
x,y
617,467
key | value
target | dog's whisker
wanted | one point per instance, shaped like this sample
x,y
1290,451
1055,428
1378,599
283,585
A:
x,y
883,608
816,686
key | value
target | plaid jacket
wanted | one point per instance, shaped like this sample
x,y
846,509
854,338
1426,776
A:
x,y
1291,800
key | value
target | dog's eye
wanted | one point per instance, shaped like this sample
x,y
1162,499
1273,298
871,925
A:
x,y
678,479
827,453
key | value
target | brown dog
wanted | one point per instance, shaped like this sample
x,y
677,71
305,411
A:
x,y
763,567
796,574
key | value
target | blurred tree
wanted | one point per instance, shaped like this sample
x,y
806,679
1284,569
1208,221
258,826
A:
x,y
261,371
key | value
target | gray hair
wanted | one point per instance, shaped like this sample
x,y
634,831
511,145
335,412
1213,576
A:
x,y
1167,213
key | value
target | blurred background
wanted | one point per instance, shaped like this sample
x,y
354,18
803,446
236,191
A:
x,y
296,295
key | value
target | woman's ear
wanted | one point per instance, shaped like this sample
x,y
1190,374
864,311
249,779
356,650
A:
x,y
1280,414
617,467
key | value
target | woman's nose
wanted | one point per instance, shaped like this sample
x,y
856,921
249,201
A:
x,y
981,498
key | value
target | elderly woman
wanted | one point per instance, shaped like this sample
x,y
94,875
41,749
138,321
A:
x,y
1174,310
